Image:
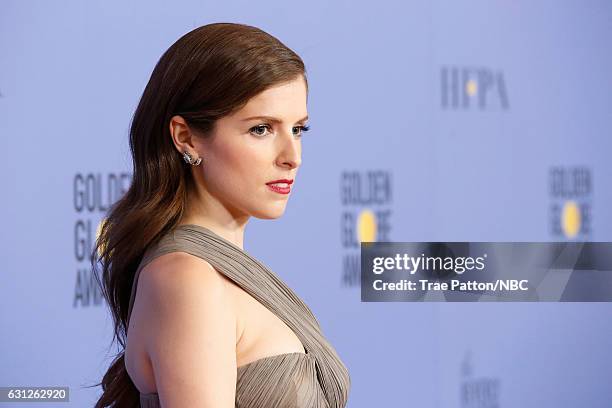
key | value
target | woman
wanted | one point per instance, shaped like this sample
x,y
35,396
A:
x,y
216,139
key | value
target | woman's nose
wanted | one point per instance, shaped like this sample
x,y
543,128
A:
x,y
290,151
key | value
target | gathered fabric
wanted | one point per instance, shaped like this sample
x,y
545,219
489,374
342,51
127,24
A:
x,y
314,379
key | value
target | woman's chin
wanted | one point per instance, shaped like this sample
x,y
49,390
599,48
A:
x,y
270,213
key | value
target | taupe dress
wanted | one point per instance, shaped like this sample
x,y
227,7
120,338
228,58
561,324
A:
x,y
314,379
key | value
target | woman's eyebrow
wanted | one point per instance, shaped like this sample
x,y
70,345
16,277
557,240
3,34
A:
x,y
272,119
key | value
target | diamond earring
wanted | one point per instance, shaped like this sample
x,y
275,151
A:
x,y
188,159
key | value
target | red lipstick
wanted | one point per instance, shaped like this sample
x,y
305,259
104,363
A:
x,y
282,186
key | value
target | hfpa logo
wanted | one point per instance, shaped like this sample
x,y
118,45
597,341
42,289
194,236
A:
x,y
465,88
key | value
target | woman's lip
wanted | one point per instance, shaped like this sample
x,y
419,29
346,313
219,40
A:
x,y
278,189
288,181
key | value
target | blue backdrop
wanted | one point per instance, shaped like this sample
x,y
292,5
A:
x,y
431,121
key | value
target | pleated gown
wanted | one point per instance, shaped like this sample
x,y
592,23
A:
x,y
315,379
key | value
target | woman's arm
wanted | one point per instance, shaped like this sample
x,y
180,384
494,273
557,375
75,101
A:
x,y
191,335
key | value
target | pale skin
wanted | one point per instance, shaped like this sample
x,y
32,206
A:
x,y
191,327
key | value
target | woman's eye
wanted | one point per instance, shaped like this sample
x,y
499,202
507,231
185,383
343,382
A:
x,y
260,130
257,130
302,129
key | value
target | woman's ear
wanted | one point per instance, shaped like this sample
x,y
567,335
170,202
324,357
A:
x,y
182,136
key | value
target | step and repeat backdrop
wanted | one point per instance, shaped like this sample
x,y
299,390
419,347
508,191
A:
x,y
430,121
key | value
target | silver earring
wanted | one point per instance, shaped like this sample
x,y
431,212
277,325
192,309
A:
x,y
188,159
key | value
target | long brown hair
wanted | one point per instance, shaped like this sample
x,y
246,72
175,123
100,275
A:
x,y
206,74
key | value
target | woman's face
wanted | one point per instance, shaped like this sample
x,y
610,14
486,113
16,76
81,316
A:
x,y
258,144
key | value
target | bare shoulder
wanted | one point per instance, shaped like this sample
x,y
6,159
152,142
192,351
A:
x,y
179,268
190,331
